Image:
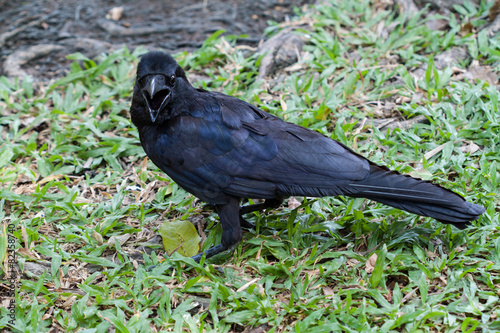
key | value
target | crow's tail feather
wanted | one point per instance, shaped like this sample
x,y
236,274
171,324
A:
x,y
416,196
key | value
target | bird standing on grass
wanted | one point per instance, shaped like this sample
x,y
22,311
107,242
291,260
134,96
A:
x,y
222,150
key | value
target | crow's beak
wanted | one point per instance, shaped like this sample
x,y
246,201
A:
x,y
156,94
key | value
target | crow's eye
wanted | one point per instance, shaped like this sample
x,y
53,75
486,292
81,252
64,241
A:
x,y
172,80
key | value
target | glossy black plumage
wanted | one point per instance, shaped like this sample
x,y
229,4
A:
x,y
222,149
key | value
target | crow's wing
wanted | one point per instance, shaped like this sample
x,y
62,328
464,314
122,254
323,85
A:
x,y
227,146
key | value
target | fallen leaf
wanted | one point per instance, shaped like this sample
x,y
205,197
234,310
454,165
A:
x,y
98,238
388,296
466,29
69,302
181,237
88,163
430,254
49,178
283,104
293,203
120,239
370,263
327,291
470,148
27,252
115,13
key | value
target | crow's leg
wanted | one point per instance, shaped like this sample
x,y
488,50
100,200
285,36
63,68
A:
x,y
231,229
245,224
269,203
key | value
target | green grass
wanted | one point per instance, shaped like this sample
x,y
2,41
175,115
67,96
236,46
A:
x,y
73,177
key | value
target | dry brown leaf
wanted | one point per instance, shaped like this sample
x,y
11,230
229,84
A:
x,y
470,148
5,303
28,253
98,238
69,302
293,203
388,296
122,239
352,262
21,178
443,279
88,163
47,315
466,29
115,13
25,237
284,107
328,292
430,254
49,178
370,263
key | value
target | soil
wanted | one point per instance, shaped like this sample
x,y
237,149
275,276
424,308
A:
x,y
85,26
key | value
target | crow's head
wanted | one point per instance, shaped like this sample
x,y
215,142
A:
x,y
158,78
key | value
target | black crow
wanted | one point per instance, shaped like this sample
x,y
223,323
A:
x,y
222,150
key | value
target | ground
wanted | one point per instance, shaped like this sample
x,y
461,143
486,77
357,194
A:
x,y
170,25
